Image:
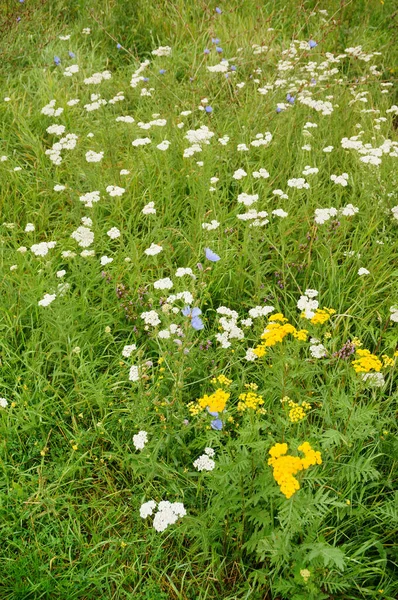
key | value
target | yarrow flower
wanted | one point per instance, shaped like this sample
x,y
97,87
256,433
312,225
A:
x,y
140,439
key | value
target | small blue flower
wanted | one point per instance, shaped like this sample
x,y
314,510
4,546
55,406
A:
x,y
162,71
193,314
213,414
57,60
208,109
210,255
145,79
71,54
278,109
218,10
118,46
312,44
206,51
215,41
216,424
233,68
218,49
292,99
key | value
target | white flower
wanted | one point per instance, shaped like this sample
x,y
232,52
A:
x,y
134,373
105,260
363,271
163,284
141,142
247,199
61,273
168,514
239,174
92,156
114,190
113,233
90,198
318,351
139,440
149,209
163,145
42,248
279,212
211,226
59,188
3,403
47,299
69,71
340,179
147,509
56,129
260,311
162,51
150,318
124,172
374,379
181,271
29,227
394,211
127,350
281,194
153,249
83,236
261,173
311,293
298,183
394,314
204,463
86,31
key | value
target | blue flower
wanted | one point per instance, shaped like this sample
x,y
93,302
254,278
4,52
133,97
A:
x,y
118,46
210,255
206,51
193,314
218,49
215,41
162,71
233,68
312,44
216,424
278,109
292,99
71,54
218,10
57,60
208,109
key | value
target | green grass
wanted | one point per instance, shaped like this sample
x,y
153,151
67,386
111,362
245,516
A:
x,y
72,481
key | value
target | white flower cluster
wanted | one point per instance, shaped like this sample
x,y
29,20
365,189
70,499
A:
x,y
299,183
185,296
340,179
66,143
150,317
47,299
114,190
211,226
168,513
172,329
93,157
71,70
258,218
205,461
163,284
42,248
374,379
56,129
50,109
317,349
141,142
239,174
126,119
149,209
307,304
134,374
197,137
127,350
324,214
394,314
90,198
247,199
263,173
3,403
229,324
153,249
140,439
96,103
262,139
162,51
83,236
182,271
260,311
98,78
136,76
113,233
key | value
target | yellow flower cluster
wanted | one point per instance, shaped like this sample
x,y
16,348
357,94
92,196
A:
x,y
298,412
277,329
367,362
215,402
222,380
251,400
387,361
322,315
285,466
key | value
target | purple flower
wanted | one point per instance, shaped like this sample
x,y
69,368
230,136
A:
x,y
210,255
218,49
118,46
145,79
57,60
216,424
292,99
278,109
218,10
312,44
206,51
162,71
215,41
193,314
208,109
233,68
71,54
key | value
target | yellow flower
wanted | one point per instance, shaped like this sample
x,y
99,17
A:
x,y
285,466
215,402
367,362
322,315
387,361
249,400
